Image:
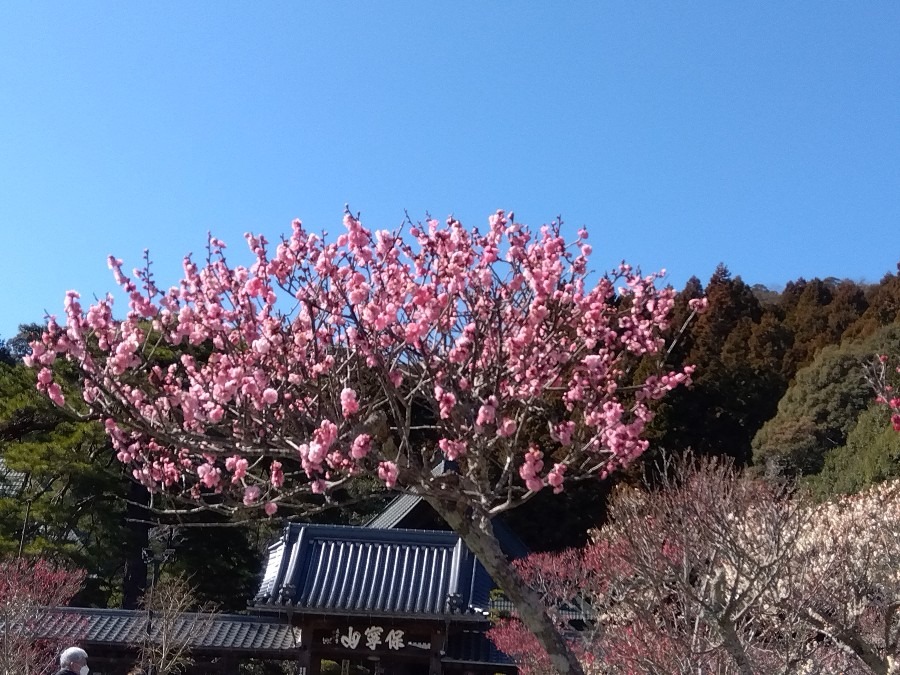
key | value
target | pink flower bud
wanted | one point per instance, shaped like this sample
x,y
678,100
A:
x,y
276,475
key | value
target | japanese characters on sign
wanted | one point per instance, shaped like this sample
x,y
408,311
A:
x,y
372,637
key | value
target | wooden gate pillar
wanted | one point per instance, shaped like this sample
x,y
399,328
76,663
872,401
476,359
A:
x,y
435,666
304,657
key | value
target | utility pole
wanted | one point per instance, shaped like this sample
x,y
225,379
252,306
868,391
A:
x,y
154,560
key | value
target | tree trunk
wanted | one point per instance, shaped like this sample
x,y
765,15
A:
x,y
478,535
733,646
849,640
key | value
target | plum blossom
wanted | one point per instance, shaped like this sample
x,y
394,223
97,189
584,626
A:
x,y
209,475
507,428
698,305
276,475
428,331
387,472
349,404
556,477
531,469
452,450
251,495
487,412
361,447
446,400
238,467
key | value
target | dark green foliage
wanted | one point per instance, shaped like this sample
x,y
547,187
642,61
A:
x,y
817,313
765,295
820,408
222,564
63,488
748,352
12,350
6,354
769,344
553,522
871,455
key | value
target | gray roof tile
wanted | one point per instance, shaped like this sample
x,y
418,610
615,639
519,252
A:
x,y
232,632
129,627
11,481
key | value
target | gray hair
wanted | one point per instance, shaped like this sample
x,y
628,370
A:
x,y
72,654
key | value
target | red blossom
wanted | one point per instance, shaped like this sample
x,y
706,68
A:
x,y
29,588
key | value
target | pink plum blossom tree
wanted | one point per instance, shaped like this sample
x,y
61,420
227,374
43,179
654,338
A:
x,y
378,354
881,374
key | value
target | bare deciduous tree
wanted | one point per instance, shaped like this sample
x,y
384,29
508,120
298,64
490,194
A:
x,y
174,624
713,573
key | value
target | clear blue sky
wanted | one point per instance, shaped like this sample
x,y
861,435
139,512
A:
x,y
764,135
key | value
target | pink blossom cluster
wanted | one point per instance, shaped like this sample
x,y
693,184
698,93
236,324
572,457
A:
x,y
879,375
294,356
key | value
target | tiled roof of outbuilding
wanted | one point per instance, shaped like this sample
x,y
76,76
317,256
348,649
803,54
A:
x,y
402,512
332,569
226,632
210,631
404,504
11,481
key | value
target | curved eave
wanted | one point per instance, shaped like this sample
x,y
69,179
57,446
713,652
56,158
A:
x,y
288,608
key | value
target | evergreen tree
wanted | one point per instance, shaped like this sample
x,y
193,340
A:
x,y
62,491
731,395
883,307
818,312
871,455
820,408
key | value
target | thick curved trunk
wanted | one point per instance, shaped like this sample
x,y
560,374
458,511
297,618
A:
x,y
733,646
850,641
479,537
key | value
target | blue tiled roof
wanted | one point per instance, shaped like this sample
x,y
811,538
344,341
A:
x,y
393,515
402,505
333,569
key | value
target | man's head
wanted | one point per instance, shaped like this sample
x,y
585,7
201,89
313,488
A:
x,y
73,658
